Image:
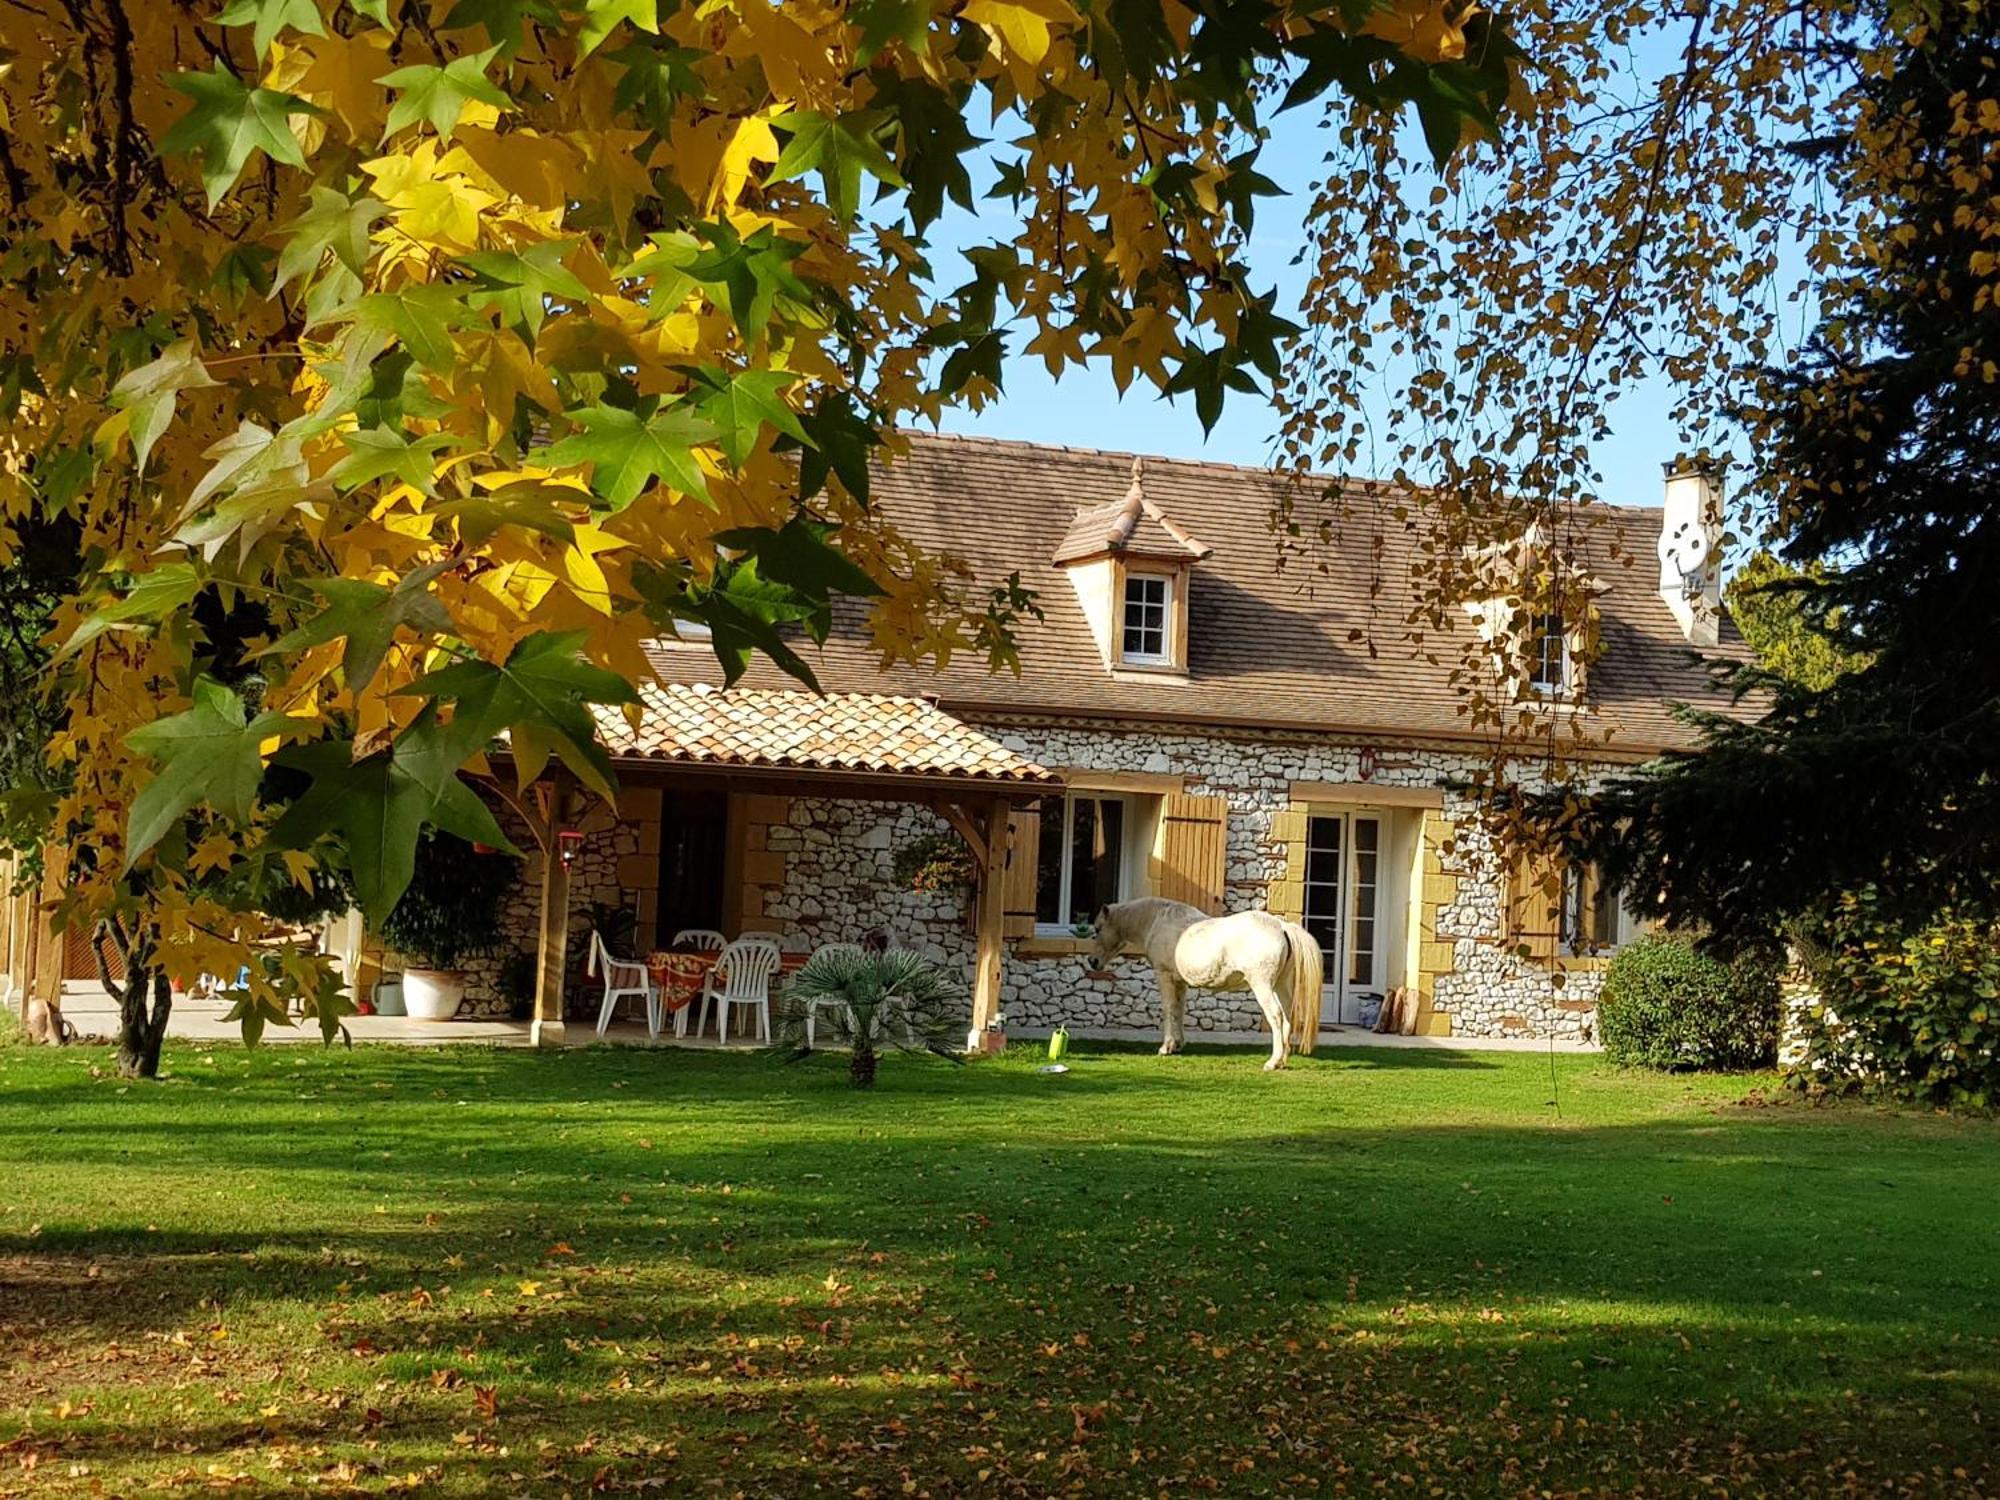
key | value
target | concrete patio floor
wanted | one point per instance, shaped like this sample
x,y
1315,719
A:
x,y
94,1014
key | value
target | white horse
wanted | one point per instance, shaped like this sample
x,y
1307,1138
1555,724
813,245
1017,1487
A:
x,y
1277,961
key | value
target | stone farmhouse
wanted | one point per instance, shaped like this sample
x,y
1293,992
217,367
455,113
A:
x,y
1189,720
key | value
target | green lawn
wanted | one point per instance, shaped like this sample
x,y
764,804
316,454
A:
x,y
473,1272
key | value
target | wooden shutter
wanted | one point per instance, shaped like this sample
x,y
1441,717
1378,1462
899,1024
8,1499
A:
x,y
1024,847
1534,906
80,961
1190,851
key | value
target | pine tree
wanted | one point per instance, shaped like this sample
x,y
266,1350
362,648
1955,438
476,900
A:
x,y
1885,437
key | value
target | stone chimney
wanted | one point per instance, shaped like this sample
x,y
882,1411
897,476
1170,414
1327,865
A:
x,y
1691,548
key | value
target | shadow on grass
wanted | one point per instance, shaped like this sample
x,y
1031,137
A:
x,y
1374,1263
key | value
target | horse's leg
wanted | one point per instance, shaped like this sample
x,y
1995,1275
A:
x,y
1276,1017
1173,1012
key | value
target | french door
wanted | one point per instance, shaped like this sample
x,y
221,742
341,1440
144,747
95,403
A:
x,y
1343,909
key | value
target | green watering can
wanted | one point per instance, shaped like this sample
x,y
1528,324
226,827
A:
x,y
1058,1044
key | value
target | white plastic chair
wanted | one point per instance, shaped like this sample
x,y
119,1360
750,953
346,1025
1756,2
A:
x,y
813,1005
701,939
742,976
623,980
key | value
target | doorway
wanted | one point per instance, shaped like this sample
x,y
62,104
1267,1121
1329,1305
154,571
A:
x,y
694,837
1345,910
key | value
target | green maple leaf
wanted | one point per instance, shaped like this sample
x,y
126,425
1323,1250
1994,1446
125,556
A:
x,y
801,556
229,123
744,611
628,448
367,615
936,145
331,222
380,805
375,452
740,405
503,19
655,76
146,395
521,282
886,21
439,94
842,439
154,596
268,17
529,504
753,272
539,697
208,754
419,317
601,18
840,149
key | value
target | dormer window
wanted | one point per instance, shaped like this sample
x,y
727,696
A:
x,y
1131,568
1149,614
1548,657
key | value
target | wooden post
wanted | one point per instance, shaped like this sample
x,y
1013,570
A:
x,y
552,942
992,914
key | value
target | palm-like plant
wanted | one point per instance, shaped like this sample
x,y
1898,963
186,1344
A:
x,y
894,999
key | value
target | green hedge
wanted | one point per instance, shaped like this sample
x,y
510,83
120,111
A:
x,y
1666,1005
1913,1014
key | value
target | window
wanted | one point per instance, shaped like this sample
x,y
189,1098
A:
x,y
689,633
1081,863
1149,601
1548,656
1367,888
1593,918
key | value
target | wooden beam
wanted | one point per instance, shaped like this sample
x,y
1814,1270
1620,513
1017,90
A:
x,y
989,929
1155,783
1367,794
552,940
968,830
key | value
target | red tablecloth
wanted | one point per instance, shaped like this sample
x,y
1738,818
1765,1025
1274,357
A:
x,y
681,972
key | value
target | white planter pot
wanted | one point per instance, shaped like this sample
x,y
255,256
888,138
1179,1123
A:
x,y
432,994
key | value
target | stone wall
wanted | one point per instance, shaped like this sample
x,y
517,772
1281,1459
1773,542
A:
x,y
818,870
616,865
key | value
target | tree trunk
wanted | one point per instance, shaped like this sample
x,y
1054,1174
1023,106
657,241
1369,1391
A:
x,y
139,1033
861,1066
141,1030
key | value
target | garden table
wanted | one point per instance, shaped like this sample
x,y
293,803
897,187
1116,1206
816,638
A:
x,y
681,972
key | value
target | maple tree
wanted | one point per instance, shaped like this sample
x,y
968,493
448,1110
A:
x,y
406,364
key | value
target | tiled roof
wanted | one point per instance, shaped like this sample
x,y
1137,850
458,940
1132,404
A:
x,y
850,733
1134,526
1316,646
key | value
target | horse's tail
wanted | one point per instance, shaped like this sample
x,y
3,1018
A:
x,y
1308,973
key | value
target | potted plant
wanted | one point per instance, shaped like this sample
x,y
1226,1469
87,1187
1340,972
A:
x,y
451,908
936,862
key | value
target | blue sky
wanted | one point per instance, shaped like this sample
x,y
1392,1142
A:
x,y
1084,409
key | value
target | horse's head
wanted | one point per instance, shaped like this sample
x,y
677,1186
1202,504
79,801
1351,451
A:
x,y
1106,941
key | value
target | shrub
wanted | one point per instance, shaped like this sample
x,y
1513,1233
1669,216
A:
x,y
1913,1014
1668,1005
452,905
895,998
935,862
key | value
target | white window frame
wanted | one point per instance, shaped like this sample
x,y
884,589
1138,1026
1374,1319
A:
x,y
1063,882
1164,657
1542,630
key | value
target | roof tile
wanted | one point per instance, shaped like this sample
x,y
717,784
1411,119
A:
x,y
855,733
